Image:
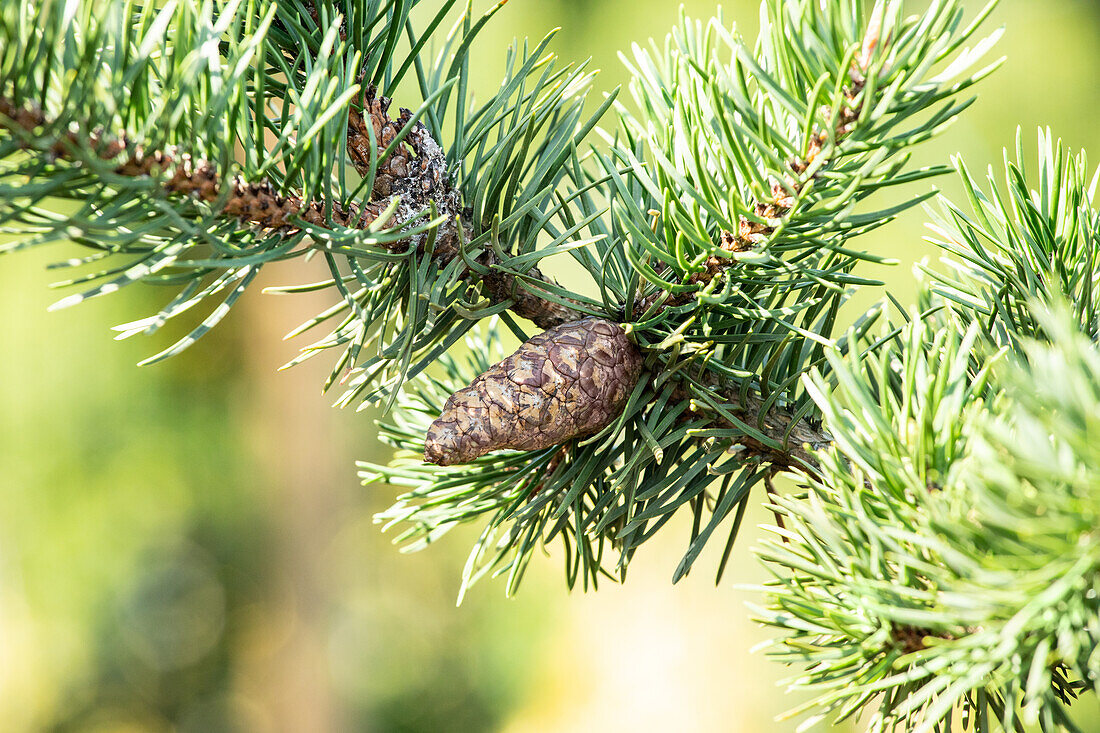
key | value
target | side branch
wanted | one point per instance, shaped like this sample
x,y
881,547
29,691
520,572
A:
x,y
257,203
752,233
414,173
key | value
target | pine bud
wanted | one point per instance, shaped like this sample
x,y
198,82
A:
x,y
568,381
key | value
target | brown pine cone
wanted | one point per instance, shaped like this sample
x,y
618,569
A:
x,y
568,381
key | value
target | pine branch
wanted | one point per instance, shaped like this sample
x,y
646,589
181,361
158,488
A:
x,y
263,122
727,318
256,203
753,233
782,435
406,183
944,552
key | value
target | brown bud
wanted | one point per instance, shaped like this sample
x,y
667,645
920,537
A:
x,y
570,380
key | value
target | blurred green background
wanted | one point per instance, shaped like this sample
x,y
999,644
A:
x,y
185,547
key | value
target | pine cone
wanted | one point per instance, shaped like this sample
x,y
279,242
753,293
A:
x,y
571,380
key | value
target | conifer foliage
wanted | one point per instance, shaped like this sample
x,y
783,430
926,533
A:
x,y
937,565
